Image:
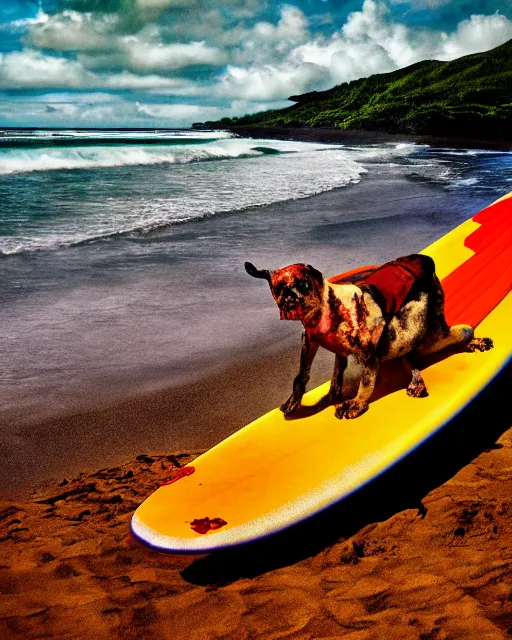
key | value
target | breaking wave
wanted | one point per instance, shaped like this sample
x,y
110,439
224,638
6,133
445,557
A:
x,y
21,160
195,182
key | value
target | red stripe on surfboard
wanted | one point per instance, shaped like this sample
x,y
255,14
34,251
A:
x,y
474,288
484,234
493,296
473,282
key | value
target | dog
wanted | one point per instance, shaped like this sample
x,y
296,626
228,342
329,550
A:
x,y
395,310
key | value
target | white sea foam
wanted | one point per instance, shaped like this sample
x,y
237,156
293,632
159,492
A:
x,y
473,152
259,172
410,146
457,183
13,160
190,180
387,153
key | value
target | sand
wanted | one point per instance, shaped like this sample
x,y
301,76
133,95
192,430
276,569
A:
x,y
424,553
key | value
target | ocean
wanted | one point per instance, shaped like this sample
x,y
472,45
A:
x,y
122,253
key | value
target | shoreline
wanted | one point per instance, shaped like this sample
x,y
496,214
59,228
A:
x,y
360,137
85,440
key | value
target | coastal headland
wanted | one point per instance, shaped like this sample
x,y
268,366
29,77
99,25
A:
x,y
466,99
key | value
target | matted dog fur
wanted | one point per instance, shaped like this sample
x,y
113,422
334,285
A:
x,y
392,311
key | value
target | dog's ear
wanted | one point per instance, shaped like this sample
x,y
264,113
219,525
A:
x,y
315,275
257,273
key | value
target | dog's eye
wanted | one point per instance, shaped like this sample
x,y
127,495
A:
x,y
278,289
302,286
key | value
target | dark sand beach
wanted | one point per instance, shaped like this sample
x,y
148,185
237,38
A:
x,y
359,136
422,553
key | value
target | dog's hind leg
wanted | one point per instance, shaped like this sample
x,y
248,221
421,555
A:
x,y
440,335
307,355
457,334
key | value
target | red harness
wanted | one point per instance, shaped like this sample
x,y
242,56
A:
x,y
394,281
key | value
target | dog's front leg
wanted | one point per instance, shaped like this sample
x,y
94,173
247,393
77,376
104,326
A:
x,y
336,390
359,404
309,349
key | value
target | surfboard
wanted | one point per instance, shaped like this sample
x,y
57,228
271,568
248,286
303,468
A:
x,y
277,471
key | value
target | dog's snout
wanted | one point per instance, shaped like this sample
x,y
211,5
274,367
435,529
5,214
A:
x,y
289,297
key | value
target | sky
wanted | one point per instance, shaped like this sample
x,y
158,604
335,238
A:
x,y
169,63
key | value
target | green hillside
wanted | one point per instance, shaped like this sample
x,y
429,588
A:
x,y
470,96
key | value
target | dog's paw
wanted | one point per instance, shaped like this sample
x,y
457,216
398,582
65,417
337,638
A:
x,y
290,405
417,389
350,409
480,344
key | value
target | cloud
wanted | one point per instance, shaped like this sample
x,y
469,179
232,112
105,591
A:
x,y
139,12
211,26
75,98
100,44
271,82
423,4
149,56
115,109
185,114
265,42
292,27
479,33
164,4
63,109
29,68
177,112
127,80
142,57
73,31
98,114
65,114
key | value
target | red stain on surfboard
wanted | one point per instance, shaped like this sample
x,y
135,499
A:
x,y
179,473
203,525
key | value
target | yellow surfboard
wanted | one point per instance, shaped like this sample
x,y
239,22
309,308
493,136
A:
x,y
275,472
